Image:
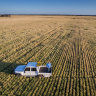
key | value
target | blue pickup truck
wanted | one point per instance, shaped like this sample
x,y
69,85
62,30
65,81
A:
x,y
31,69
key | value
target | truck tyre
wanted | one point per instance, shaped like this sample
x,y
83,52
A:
x,y
41,76
18,75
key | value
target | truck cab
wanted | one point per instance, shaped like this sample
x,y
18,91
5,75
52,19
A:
x,y
31,69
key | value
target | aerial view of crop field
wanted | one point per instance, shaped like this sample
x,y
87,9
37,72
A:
x,y
47,47
68,42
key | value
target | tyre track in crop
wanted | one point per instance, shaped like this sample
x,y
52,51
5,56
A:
x,y
43,35
28,44
46,47
40,42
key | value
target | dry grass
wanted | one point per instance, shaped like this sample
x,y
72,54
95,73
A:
x,y
68,42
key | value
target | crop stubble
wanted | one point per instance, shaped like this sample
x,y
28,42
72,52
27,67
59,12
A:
x,y
68,42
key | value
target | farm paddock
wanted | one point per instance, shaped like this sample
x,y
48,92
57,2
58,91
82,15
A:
x,y
68,42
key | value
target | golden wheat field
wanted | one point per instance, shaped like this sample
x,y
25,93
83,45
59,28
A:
x,y
68,42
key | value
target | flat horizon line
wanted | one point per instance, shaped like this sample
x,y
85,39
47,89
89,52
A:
x,y
52,14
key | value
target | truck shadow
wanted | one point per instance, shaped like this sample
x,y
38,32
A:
x,y
7,67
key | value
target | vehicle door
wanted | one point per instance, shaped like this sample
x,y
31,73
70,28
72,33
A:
x,y
33,71
27,71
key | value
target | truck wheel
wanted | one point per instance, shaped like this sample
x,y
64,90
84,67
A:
x,y
41,76
18,75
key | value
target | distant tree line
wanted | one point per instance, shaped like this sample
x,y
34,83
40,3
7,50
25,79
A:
x,y
5,15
